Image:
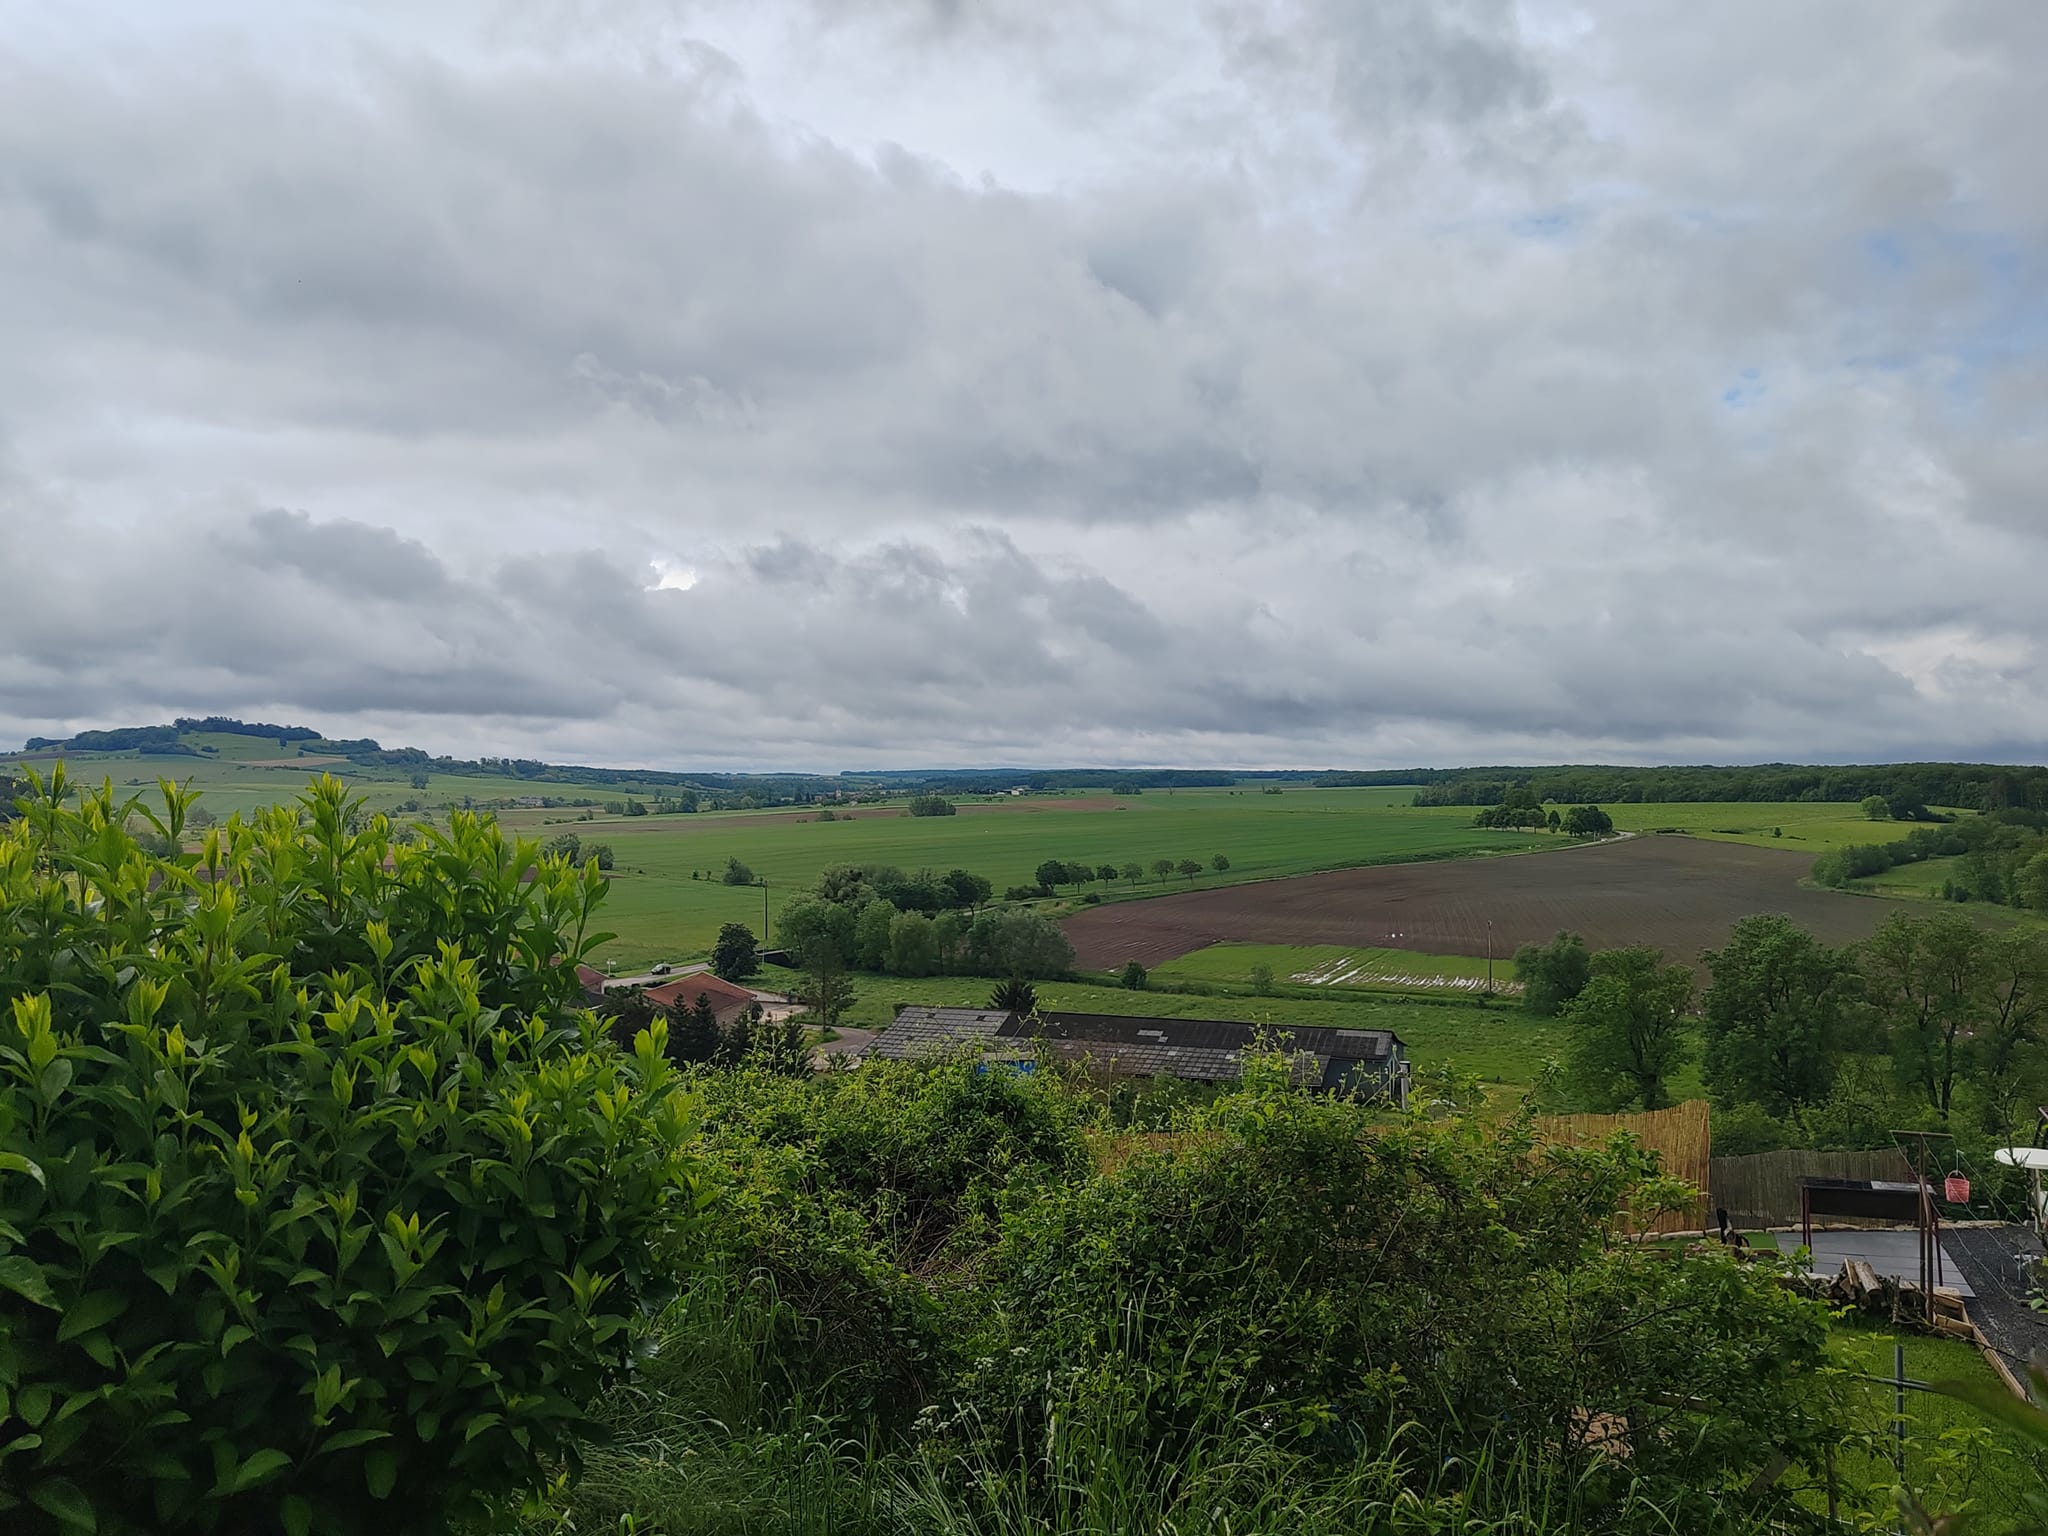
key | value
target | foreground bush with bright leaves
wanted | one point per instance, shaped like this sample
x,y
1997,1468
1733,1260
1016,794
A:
x,y
323,1205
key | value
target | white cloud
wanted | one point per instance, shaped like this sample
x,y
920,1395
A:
x,y
909,383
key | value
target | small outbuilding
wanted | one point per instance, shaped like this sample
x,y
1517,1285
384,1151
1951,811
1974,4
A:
x,y
727,1001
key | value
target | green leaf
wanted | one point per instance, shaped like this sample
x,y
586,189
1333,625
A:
x,y
60,1497
259,1468
14,1162
348,1439
380,1473
33,1404
90,1312
1998,1404
23,1276
296,1514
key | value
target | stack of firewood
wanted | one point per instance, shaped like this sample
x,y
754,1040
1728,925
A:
x,y
1862,1287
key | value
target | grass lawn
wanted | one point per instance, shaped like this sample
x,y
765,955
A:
x,y
1335,965
1799,826
1921,881
1943,1456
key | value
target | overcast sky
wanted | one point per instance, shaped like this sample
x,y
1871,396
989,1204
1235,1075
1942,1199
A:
x,y
896,382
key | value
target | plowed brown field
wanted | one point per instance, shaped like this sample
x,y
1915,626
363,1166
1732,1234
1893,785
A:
x,y
1677,893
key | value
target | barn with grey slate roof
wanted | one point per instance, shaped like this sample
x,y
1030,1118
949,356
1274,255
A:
x,y
1369,1061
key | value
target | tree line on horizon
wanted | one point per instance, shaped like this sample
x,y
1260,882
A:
x,y
1963,786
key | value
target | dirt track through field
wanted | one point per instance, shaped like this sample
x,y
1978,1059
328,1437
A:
x,y
1678,893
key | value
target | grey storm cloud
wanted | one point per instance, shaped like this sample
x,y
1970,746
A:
x,y
815,385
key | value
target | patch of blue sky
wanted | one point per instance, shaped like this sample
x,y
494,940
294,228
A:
x,y
1559,223
1747,390
2007,323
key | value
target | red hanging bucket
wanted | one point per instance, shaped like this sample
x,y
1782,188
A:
x,y
1955,1189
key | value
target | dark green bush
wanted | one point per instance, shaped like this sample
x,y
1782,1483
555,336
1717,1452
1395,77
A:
x,y
1332,1276
323,1208
850,1192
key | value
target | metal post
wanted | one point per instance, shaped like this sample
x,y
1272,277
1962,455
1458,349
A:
x,y
1899,1408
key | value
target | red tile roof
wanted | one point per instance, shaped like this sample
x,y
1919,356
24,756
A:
x,y
684,991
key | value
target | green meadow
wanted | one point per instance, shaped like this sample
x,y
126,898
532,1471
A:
x,y
1800,826
1335,965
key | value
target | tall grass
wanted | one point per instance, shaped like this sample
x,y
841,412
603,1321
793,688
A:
x,y
719,1433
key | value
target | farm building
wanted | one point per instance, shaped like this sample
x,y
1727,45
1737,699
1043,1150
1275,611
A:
x,y
727,1001
1369,1061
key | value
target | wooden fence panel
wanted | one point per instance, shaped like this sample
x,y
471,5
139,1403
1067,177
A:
x,y
1762,1189
1679,1136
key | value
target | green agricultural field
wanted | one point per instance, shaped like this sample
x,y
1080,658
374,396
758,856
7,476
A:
x,y
245,773
1921,881
1806,826
660,912
1335,965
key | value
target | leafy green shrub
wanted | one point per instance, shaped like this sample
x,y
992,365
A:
x,y
323,1208
1333,1275
848,1191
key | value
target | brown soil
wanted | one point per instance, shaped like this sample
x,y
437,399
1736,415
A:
x,y
1678,893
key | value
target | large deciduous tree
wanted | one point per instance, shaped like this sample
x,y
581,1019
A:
x,y
733,956
1628,1028
1924,976
819,934
1776,1013
1553,974
1587,821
